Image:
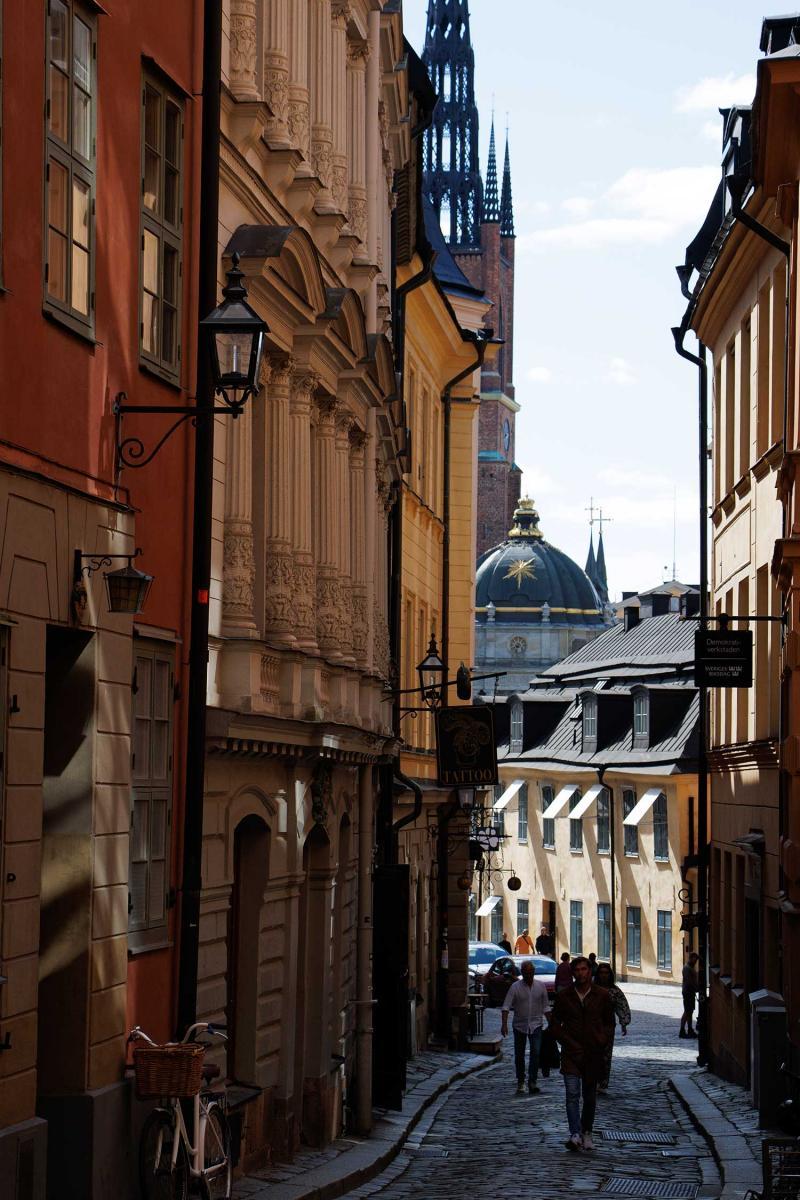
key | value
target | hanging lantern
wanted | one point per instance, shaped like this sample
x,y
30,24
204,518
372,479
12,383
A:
x,y
514,883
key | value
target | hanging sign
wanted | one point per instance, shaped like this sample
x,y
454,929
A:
x,y
723,658
466,750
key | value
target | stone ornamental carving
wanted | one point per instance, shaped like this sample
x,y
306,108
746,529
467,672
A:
x,y
339,186
358,52
341,10
298,124
303,591
243,48
321,160
321,793
358,217
270,668
279,593
238,580
329,612
359,623
380,643
276,89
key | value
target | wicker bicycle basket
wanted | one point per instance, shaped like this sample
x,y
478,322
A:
x,y
168,1070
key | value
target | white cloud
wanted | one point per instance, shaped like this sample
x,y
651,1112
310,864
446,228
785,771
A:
x,y
711,131
644,206
621,372
539,482
578,206
539,374
631,477
716,91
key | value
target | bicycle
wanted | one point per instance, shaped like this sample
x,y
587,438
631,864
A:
x,y
170,1161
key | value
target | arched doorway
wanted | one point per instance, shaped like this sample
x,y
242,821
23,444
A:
x,y
250,874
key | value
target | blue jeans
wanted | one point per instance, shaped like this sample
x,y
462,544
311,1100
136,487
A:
x,y
580,1122
535,1041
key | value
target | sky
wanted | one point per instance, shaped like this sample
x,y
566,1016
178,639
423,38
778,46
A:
x,y
615,143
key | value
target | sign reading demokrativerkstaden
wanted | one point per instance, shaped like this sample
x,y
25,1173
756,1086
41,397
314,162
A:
x,y
723,658
466,750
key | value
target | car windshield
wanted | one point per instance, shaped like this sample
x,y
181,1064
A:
x,y
542,965
480,955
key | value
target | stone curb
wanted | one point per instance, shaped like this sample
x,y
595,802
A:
x,y
737,1167
369,1157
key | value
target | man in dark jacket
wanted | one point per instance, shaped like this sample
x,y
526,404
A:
x,y
583,1022
544,943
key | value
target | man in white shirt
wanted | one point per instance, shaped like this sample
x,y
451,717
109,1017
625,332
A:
x,y
527,1000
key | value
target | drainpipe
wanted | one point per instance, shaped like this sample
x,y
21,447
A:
x,y
415,813
191,881
613,882
703,847
364,1000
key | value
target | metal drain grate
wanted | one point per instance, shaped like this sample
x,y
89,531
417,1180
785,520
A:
x,y
430,1151
619,1186
647,1139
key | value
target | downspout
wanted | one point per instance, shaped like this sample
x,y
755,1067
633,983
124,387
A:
x,y
613,882
415,813
703,847
364,1001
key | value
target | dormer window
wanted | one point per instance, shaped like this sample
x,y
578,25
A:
x,y
590,720
516,727
641,717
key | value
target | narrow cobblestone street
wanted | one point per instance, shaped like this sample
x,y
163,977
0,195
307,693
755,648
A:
x,y
481,1139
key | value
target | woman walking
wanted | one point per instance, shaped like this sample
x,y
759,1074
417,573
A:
x,y
622,1013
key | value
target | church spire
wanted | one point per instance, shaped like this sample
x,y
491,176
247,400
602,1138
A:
x,y
591,561
506,205
491,204
452,179
601,581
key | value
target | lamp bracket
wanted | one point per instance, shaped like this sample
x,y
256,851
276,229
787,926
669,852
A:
x,y
445,683
131,450
96,561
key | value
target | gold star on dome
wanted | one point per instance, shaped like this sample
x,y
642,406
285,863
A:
x,y
520,568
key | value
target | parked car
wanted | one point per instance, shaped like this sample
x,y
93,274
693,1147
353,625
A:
x,y
498,977
481,957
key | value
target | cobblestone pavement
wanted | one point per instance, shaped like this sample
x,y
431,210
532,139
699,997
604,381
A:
x,y
474,1140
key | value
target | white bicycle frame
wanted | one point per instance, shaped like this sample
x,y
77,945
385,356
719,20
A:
x,y
200,1119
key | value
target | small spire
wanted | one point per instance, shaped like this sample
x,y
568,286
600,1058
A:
x,y
591,561
491,205
602,578
506,203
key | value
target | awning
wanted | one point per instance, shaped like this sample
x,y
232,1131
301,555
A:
x,y
555,806
508,794
586,801
643,805
490,903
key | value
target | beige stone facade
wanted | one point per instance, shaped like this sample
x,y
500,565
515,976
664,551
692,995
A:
x,y
304,486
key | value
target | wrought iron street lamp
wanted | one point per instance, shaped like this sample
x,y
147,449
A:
x,y
126,588
431,673
235,336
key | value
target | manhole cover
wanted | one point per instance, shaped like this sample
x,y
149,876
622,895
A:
x,y
648,1139
618,1186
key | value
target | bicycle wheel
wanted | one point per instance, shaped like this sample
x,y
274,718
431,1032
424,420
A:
x,y
217,1156
157,1179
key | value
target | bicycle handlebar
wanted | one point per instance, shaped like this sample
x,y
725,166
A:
x,y
138,1034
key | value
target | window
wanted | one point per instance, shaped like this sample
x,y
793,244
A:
x,y
497,923
576,927
70,164
604,932
590,718
660,830
575,826
151,793
162,217
522,814
516,726
472,918
630,832
522,916
633,949
499,821
603,823
549,823
664,946
641,715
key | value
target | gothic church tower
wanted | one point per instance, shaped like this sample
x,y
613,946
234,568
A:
x,y
479,228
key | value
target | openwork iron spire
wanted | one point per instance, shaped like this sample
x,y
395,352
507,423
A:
x,y
491,203
506,204
452,178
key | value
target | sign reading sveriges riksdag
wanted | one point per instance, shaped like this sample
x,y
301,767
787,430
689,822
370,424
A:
x,y
465,747
723,658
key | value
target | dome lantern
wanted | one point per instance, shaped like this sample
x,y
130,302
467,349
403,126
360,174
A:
x,y
526,520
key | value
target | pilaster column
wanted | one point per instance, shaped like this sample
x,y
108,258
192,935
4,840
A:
x,y
384,499
321,97
357,55
358,547
344,423
373,155
243,81
340,13
303,386
298,118
325,522
238,573
276,70
278,575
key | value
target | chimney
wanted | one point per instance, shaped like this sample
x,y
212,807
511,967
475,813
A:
x,y
690,604
779,32
660,603
627,596
632,616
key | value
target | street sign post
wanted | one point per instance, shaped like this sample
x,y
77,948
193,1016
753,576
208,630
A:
x,y
723,658
466,750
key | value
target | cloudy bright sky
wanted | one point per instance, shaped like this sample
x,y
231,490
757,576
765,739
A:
x,y
615,151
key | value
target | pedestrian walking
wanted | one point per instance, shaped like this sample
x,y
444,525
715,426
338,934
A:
x,y
527,1000
604,978
544,943
563,973
524,943
593,964
583,1022
689,988
504,943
